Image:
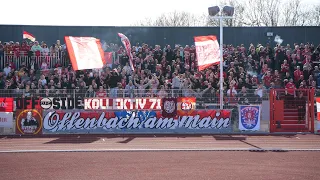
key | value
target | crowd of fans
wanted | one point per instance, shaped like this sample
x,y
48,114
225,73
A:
x,y
161,72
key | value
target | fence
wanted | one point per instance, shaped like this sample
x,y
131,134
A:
x,y
51,60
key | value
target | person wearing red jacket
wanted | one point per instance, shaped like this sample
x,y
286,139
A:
x,y
290,93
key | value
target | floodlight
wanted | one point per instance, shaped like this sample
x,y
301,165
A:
x,y
214,10
228,10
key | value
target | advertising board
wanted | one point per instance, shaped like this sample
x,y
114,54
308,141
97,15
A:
x,y
6,119
104,122
6,104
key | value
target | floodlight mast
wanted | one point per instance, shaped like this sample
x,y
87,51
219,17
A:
x,y
226,13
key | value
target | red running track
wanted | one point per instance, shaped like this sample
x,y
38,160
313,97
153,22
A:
x,y
95,142
160,165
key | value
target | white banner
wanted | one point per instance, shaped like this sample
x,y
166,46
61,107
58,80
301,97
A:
x,y
6,119
207,51
249,117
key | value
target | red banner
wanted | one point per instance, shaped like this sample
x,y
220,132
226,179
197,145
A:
x,y
29,121
123,103
6,104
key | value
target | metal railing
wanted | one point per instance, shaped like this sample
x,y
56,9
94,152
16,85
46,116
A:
x,y
210,97
25,58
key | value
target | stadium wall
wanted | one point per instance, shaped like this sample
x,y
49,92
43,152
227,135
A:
x,y
164,35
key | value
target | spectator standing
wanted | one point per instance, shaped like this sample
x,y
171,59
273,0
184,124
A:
x,y
112,81
36,48
90,92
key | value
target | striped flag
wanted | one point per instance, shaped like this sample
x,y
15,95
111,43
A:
x,y
318,115
126,42
85,52
27,35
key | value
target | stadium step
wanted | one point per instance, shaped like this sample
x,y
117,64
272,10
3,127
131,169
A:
x,y
293,126
290,110
290,130
292,122
291,118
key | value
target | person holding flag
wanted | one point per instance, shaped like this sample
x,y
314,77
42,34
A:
x,y
126,42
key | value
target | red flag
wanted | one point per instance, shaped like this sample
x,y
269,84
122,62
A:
x,y
29,36
85,52
207,50
126,42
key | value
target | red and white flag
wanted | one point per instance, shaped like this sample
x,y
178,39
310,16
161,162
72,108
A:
x,y
207,51
125,41
29,36
85,52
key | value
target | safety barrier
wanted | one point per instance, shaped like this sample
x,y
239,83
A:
x,y
51,60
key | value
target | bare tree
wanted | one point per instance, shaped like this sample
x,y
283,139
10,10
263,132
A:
x,y
315,16
175,19
262,12
248,13
291,12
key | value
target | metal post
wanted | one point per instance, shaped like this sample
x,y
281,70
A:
x,y
221,62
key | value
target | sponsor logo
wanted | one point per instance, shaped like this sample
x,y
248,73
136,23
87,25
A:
x,y
73,121
61,103
29,122
123,103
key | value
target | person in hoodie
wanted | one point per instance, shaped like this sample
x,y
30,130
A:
x,y
112,82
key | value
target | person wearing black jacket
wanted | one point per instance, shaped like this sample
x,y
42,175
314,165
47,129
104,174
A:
x,y
112,82
301,104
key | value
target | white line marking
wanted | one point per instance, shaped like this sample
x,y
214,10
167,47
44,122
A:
x,y
153,150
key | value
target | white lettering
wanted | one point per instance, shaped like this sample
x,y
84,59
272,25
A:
x,y
87,103
142,103
153,103
74,121
3,104
95,103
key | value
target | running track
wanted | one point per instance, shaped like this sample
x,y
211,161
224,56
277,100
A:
x,y
138,157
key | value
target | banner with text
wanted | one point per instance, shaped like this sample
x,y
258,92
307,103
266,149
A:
x,y
100,122
6,119
249,117
123,103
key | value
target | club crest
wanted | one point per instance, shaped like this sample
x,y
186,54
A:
x,y
249,117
